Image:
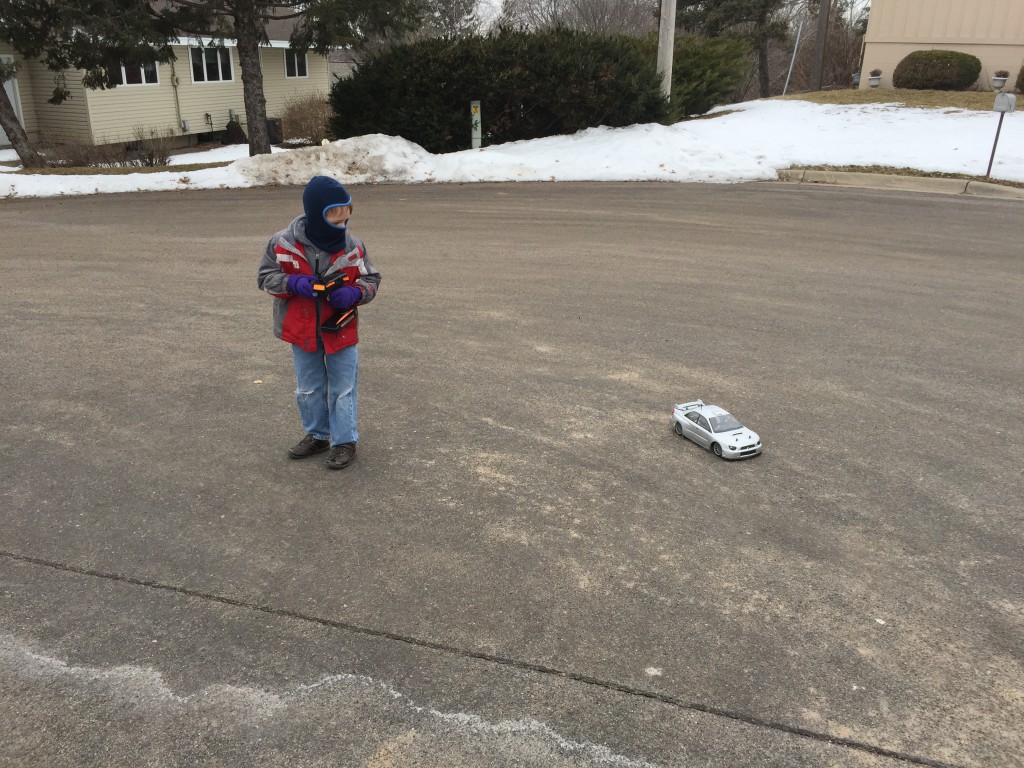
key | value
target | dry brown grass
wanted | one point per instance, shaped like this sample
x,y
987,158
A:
x,y
973,100
890,170
116,170
306,119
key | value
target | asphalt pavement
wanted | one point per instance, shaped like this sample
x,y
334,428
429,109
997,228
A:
x,y
525,565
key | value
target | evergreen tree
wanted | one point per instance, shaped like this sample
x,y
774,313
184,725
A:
x,y
755,20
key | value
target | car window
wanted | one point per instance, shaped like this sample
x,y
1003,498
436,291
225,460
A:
x,y
724,422
692,416
703,423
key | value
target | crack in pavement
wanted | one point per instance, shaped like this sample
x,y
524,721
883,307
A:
x,y
519,664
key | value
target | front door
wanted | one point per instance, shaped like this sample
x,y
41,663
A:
x,y
702,434
11,86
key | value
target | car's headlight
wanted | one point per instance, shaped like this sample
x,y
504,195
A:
x,y
758,442
732,447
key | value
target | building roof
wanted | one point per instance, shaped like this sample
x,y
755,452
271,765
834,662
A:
x,y
278,30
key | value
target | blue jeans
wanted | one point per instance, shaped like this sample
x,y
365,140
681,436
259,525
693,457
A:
x,y
325,391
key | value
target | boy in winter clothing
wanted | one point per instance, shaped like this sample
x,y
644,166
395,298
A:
x,y
318,274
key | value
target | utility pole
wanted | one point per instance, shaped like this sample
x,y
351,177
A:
x,y
666,43
824,10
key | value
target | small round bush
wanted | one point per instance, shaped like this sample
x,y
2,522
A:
x,y
1020,80
937,71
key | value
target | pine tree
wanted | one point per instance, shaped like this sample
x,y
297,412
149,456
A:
x,y
754,20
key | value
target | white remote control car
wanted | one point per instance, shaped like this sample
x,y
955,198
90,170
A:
x,y
715,429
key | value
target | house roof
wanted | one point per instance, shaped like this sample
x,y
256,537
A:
x,y
278,30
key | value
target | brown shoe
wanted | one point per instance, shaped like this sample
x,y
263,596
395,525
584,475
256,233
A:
x,y
307,446
341,456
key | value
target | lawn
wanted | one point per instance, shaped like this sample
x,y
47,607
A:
x,y
974,100
944,100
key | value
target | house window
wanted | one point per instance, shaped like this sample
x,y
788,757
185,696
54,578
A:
x,y
210,65
294,63
133,75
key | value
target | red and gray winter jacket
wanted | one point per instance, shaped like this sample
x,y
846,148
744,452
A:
x,y
297,319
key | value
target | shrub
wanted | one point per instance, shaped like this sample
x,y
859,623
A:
x,y
1002,73
875,73
149,149
305,118
1020,80
530,85
937,70
705,72
408,91
77,155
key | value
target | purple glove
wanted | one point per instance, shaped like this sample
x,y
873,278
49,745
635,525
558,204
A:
x,y
301,285
344,297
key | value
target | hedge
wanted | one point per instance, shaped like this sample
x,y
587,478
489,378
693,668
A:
x,y
937,71
529,84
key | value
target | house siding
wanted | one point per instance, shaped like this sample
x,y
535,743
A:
x,y
120,114
64,123
280,90
117,115
992,30
116,112
209,98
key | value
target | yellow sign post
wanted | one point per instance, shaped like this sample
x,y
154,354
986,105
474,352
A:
x,y
474,116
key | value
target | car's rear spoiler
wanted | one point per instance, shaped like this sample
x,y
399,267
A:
x,y
690,405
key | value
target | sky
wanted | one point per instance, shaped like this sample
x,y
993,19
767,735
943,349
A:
x,y
750,142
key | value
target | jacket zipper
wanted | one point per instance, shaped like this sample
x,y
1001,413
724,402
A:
x,y
316,304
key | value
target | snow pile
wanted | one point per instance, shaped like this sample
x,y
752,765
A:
x,y
364,159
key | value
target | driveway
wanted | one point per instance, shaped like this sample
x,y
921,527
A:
x,y
525,565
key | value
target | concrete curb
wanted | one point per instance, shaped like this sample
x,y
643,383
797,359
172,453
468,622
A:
x,y
907,183
986,189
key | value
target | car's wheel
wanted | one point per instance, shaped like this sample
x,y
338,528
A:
x,y
716,449
678,428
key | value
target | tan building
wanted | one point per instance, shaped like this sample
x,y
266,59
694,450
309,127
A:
x,y
992,30
195,94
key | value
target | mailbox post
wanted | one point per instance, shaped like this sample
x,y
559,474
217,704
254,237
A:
x,y
1005,103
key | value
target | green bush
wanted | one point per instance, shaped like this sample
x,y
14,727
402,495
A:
x,y
529,84
937,71
410,91
706,72
1020,80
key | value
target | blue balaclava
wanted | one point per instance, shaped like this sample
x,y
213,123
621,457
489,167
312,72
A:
x,y
321,194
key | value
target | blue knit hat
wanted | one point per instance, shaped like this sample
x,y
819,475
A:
x,y
321,194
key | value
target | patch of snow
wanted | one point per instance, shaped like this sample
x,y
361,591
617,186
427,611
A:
x,y
752,142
